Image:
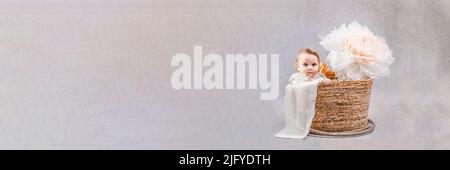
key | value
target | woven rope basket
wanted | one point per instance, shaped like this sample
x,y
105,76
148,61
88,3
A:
x,y
343,106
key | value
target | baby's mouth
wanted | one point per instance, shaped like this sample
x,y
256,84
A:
x,y
309,74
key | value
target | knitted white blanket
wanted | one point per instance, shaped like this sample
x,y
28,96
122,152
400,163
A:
x,y
299,105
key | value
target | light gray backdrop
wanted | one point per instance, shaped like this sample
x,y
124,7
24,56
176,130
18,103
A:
x,y
96,74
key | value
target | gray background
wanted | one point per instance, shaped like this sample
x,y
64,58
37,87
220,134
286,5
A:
x,y
96,74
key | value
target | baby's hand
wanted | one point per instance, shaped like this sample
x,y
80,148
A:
x,y
325,81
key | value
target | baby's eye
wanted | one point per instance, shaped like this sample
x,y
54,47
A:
x,y
314,64
304,64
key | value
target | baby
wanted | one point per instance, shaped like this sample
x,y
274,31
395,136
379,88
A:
x,y
301,91
307,65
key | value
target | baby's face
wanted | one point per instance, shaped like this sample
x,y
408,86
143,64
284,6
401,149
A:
x,y
307,64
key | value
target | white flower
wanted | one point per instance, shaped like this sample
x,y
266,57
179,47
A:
x,y
356,53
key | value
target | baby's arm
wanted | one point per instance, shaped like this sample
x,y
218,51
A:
x,y
325,81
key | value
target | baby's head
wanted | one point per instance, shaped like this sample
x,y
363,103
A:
x,y
307,62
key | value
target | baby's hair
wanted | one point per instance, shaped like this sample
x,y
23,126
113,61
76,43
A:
x,y
307,51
